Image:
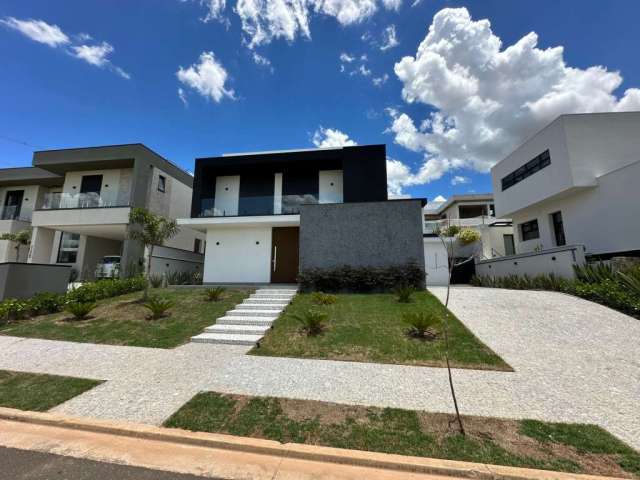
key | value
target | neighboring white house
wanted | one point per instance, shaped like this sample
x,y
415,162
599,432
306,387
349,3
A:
x,y
474,211
576,182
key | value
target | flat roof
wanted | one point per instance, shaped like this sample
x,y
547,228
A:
x,y
28,176
468,197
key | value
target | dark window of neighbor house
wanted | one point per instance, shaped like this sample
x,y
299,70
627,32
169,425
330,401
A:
x,y
162,183
529,230
197,244
558,228
472,211
532,166
68,250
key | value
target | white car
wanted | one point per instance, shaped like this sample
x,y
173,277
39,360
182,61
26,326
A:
x,y
108,267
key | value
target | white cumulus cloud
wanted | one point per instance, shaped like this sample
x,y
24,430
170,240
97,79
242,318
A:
x,y
346,58
330,138
38,31
484,99
207,77
460,180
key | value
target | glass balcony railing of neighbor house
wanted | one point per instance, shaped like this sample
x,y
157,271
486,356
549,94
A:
x,y
248,206
53,201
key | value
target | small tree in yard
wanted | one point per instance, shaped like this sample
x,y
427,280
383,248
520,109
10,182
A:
x,y
448,237
151,230
20,238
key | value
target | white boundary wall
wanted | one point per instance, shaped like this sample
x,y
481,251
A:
x,y
559,261
436,262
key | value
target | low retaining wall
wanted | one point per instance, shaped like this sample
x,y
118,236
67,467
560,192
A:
x,y
168,259
558,261
24,280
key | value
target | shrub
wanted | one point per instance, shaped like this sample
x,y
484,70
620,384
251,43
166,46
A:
x,y
106,288
155,280
80,310
361,279
321,298
594,272
158,306
403,294
196,278
14,309
422,324
215,294
450,231
44,303
312,321
179,278
631,279
467,236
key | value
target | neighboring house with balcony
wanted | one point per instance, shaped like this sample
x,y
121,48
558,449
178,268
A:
x,y
78,201
268,216
474,211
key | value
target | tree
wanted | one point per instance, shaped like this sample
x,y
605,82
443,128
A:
x,y
20,238
448,237
151,230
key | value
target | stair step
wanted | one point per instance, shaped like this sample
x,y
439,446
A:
x,y
261,306
248,312
238,329
276,291
245,320
277,298
266,301
226,338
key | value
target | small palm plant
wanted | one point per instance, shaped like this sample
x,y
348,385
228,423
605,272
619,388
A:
x,y
422,325
404,293
321,298
312,321
215,294
158,306
80,310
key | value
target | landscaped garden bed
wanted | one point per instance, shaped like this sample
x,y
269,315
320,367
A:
x,y
372,328
31,391
124,320
521,443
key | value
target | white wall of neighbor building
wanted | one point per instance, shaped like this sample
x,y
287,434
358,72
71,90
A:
x,y
238,255
227,196
558,261
29,199
113,191
605,218
436,262
330,186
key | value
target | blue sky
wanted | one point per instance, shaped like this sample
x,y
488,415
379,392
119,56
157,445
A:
x,y
476,91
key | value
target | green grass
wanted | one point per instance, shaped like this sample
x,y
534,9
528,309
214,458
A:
x,y
370,328
123,320
30,391
570,448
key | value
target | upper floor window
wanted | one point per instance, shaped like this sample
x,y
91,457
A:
x,y
528,169
162,183
529,230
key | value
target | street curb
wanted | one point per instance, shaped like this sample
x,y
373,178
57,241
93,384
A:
x,y
399,463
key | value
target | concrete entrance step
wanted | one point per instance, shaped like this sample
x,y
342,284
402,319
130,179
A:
x,y
238,329
243,312
277,291
227,338
245,320
262,306
266,301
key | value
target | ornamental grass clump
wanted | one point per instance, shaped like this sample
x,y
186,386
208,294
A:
x,y
404,294
158,306
313,322
422,325
321,298
215,294
80,310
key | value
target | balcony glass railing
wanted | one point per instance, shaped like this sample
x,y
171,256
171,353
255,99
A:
x,y
261,205
53,201
12,212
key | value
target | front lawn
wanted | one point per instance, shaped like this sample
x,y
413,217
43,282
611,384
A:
x,y
525,443
123,320
370,328
31,391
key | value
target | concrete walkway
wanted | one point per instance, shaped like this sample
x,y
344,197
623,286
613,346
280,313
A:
x,y
574,361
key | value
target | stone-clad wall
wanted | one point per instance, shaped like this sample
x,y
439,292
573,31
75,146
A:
x,y
368,234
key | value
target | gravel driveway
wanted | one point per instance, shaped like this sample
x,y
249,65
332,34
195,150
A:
x,y
574,361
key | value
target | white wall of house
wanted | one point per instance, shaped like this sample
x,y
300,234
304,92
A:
x,y
436,262
227,196
330,186
29,199
492,240
557,261
604,218
116,184
238,255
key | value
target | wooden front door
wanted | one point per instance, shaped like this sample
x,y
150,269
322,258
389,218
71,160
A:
x,y
284,254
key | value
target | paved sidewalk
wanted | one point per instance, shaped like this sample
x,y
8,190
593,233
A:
x,y
574,361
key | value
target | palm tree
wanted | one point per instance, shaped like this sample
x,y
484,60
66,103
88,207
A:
x,y
20,238
151,230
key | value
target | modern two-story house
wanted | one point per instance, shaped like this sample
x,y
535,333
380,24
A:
x,y
77,203
268,216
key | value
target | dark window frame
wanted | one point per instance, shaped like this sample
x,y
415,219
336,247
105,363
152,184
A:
x,y
162,183
530,230
525,171
197,245
557,224
75,258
